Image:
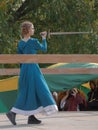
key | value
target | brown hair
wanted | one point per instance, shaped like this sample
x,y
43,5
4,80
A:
x,y
25,26
92,82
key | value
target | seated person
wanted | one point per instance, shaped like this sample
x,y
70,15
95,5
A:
x,y
92,103
61,99
55,96
72,101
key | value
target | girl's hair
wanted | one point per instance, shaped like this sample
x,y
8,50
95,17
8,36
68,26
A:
x,y
92,82
25,26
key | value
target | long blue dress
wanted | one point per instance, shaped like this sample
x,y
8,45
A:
x,y
34,95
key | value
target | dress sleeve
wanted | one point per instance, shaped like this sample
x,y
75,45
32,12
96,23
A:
x,y
41,46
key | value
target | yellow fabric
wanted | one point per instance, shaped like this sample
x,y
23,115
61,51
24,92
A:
x,y
86,85
56,65
9,84
12,83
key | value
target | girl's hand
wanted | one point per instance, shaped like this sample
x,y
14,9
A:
x,y
43,34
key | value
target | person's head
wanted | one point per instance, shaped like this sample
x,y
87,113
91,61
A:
x,y
27,28
73,91
92,85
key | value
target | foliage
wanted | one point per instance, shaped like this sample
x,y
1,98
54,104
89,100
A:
x,y
53,15
56,15
74,16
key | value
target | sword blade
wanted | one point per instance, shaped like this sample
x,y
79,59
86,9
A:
x,y
66,33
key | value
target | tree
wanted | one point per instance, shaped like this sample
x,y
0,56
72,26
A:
x,y
56,15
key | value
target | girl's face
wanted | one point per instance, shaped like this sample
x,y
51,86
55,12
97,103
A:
x,y
31,30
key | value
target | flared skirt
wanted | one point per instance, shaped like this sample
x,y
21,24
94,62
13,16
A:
x,y
34,95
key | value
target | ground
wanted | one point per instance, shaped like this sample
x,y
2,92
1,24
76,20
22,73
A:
x,y
59,121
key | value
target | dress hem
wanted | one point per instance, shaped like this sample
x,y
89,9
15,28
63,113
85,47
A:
x,y
44,110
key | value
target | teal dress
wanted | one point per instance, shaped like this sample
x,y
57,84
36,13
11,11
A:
x,y
33,93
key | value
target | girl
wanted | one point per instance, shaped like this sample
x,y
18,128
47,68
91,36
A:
x,y
33,93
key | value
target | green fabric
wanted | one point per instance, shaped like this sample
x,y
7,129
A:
x,y
7,99
84,90
56,82
60,82
2,107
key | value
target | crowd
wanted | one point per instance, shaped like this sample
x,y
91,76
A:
x,y
75,100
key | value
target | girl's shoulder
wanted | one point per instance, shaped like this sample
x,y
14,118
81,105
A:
x,y
33,39
20,43
30,42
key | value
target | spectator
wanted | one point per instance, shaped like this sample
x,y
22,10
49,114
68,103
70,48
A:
x,y
73,101
92,103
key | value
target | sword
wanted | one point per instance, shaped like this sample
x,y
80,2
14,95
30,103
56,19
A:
x,y
65,33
